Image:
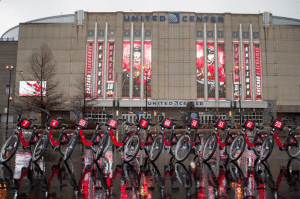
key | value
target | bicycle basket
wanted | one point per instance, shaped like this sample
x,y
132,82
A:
x,y
23,123
193,123
167,123
143,124
277,124
248,124
53,123
82,123
221,124
112,123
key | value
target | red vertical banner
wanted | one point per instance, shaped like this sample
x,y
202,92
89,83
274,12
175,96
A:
x,y
221,70
147,68
136,69
236,70
211,70
100,53
89,69
258,72
126,69
110,70
247,71
200,70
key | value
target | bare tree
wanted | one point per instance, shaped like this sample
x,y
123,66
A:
x,y
81,103
41,68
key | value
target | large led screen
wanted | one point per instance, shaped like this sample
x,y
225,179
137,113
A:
x,y
32,88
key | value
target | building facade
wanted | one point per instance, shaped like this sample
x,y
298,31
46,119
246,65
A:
x,y
171,61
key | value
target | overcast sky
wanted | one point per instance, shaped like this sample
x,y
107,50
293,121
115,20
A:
x,y
13,12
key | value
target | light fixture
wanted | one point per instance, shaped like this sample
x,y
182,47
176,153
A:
x,y
154,113
117,113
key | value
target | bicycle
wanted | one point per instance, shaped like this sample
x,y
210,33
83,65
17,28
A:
x,y
98,143
170,144
11,144
131,141
211,142
185,144
239,143
47,136
291,144
108,135
150,135
159,141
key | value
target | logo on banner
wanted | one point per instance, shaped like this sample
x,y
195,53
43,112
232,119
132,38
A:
x,y
82,123
144,123
167,123
194,123
249,124
25,123
112,123
278,124
221,124
173,17
54,123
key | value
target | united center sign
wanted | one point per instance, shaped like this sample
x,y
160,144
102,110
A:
x,y
174,18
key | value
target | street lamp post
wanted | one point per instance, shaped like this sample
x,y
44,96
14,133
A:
x,y
10,68
146,95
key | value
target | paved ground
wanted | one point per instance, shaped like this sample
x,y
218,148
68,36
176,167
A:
x,y
80,178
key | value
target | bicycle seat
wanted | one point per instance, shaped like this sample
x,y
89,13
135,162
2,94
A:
x,y
60,118
32,119
292,126
230,126
151,124
36,126
176,124
65,126
100,123
259,127
129,123
89,119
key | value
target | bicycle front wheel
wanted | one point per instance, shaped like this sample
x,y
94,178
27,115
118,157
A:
x,y
198,143
293,142
156,147
132,148
102,146
209,147
40,148
70,146
34,139
237,148
258,141
266,148
9,148
183,148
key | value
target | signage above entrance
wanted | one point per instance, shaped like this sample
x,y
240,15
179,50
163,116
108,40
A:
x,y
174,18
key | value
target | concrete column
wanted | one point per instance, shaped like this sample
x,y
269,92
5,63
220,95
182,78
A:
x,y
205,63
131,64
252,64
142,63
216,64
105,61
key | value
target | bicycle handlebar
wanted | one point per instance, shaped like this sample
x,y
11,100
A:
x,y
18,112
76,112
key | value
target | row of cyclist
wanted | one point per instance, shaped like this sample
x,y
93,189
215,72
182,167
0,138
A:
x,y
180,145
136,179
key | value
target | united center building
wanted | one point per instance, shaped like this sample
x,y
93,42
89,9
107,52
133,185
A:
x,y
168,61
